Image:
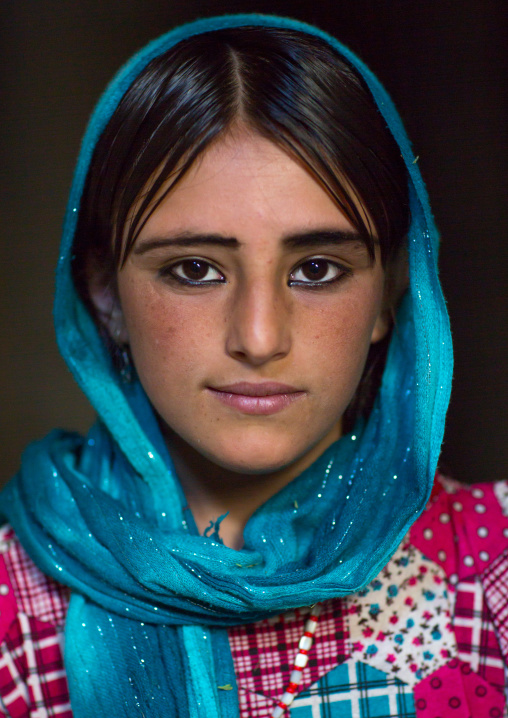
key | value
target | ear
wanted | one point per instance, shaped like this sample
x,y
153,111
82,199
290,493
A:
x,y
381,327
396,283
104,297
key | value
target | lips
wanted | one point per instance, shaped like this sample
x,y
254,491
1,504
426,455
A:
x,y
267,388
262,399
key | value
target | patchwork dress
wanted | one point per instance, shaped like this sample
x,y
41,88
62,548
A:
x,y
428,638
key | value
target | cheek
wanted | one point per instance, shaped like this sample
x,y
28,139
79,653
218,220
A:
x,y
164,332
339,337
346,324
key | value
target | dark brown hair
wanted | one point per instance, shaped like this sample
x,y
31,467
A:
x,y
291,88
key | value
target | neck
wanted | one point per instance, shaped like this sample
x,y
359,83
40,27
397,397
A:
x,y
212,491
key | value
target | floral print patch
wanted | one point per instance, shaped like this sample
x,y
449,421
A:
x,y
401,623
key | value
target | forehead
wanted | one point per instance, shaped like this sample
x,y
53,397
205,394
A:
x,y
244,184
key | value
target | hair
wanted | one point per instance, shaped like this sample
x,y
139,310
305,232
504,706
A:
x,y
289,87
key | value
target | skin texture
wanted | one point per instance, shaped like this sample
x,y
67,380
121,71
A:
x,y
255,322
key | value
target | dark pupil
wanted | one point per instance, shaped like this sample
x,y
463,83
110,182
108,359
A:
x,y
315,269
194,269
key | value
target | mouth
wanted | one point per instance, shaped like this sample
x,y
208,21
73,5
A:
x,y
260,399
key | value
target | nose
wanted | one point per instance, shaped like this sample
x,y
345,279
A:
x,y
259,325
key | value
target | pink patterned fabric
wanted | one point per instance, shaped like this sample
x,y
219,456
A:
x,y
495,582
32,674
462,530
35,594
454,690
425,639
8,602
33,608
476,637
264,653
256,705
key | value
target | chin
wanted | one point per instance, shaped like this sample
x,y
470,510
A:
x,y
258,458
255,464
251,468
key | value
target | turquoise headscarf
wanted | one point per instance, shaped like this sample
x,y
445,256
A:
x,y
145,631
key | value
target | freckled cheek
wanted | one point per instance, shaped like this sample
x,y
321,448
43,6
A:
x,y
163,333
338,340
350,321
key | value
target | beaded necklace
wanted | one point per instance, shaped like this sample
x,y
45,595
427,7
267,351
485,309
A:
x,y
301,660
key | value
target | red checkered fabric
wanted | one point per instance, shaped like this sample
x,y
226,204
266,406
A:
x,y
32,675
35,594
475,633
495,584
264,654
254,705
33,609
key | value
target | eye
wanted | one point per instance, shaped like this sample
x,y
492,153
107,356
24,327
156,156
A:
x,y
193,271
317,271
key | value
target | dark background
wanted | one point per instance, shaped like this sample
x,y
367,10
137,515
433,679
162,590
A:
x,y
445,64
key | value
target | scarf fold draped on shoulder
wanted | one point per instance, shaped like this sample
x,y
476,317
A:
x,y
104,514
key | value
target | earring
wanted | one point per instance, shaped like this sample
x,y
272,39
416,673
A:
x,y
122,362
125,367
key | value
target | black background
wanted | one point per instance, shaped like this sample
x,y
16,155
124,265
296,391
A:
x,y
446,66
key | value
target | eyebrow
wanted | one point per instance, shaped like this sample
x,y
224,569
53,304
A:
x,y
330,237
186,239
298,240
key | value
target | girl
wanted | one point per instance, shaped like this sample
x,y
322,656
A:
x,y
247,293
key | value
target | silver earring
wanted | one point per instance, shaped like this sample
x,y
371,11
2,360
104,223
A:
x,y
122,362
125,366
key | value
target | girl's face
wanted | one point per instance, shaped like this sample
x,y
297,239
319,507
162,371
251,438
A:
x,y
249,304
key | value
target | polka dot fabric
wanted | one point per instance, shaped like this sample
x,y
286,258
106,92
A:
x,y
455,691
462,530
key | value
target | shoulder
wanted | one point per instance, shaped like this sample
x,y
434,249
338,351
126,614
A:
x,y
32,613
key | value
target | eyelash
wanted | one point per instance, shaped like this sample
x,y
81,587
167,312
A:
x,y
341,273
169,273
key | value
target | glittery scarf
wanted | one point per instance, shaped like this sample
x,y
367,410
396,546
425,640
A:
x,y
145,632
